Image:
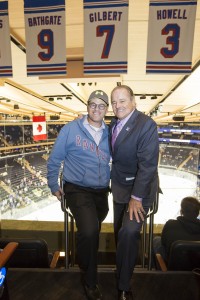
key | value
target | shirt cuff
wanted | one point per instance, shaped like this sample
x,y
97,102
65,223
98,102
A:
x,y
136,198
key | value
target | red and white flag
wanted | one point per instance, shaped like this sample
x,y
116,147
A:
x,y
39,128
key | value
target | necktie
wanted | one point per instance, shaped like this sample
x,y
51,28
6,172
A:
x,y
116,131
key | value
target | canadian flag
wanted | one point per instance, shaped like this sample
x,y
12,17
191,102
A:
x,y
39,128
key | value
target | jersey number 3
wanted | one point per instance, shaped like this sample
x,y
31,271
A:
x,y
172,40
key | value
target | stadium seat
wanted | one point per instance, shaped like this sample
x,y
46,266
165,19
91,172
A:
x,y
184,256
31,253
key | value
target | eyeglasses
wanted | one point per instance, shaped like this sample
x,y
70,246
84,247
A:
x,y
94,106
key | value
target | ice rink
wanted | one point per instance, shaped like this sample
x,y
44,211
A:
x,y
173,188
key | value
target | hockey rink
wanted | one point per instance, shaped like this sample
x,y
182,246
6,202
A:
x,y
174,190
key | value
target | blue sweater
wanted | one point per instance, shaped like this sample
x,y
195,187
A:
x,y
84,163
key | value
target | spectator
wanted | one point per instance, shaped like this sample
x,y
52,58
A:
x,y
185,227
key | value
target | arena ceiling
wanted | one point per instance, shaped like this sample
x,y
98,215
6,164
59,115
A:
x,y
177,95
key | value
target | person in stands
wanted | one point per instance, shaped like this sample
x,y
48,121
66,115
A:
x,y
185,227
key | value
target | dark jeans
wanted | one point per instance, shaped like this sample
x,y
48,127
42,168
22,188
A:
x,y
89,208
127,235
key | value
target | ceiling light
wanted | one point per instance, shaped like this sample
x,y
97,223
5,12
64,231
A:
x,y
178,118
154,97
59,98
26,118
51,99
16,106
143,97
54,117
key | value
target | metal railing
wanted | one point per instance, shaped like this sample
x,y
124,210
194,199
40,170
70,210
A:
x,y
147,251
70,234
68,231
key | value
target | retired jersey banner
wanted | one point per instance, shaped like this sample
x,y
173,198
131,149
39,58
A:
x,y
5,44
170,36
105,36
45,37
39,128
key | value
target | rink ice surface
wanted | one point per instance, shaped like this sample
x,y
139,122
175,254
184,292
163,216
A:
x,y
174,190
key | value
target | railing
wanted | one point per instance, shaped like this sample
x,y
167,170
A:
x,y
148,251
69,231
70,235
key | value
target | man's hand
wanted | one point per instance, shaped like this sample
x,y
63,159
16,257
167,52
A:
x,y
59,194
135,207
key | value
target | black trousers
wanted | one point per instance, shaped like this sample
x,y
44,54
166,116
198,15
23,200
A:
x,y
127,236
89,208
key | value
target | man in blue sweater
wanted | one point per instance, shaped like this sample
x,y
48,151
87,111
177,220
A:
x,y
82,146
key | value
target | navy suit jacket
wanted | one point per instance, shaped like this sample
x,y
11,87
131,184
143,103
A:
x,y
135,159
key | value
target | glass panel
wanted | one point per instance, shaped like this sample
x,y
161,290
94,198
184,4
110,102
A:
x,y
178,174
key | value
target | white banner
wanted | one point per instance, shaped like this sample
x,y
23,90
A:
x,y
170,36
5,44
45,37
105,36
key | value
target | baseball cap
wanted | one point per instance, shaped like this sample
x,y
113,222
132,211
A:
x,y
100,95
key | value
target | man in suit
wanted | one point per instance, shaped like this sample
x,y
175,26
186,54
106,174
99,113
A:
x,y
135,150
